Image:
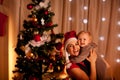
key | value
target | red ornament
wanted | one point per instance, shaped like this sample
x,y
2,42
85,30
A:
x,y
58,46
46,12
49,24
37,37
33,78
29,6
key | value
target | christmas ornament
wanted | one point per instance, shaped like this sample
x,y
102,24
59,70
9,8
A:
x,y
63,74
29,55
30,6
35,19
42,21
36,44
46,12
58,46
27,49
50,68
33,78
49,24
22,48
37,37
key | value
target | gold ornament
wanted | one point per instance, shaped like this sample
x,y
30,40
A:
x,y
35,19
63,74
50,68
22,48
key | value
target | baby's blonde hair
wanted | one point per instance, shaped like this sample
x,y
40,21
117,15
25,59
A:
x,y
85,32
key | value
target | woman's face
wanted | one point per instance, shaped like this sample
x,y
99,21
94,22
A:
x,y
73,48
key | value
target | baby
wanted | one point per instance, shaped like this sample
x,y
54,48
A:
x,y
86,44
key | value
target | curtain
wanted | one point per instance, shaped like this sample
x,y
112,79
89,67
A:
x,y
100,17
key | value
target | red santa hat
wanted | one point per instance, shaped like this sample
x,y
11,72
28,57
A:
x,y
68,37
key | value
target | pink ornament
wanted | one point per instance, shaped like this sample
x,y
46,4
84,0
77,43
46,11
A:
x,y
46,12
29,6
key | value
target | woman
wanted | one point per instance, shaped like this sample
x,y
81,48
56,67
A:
x,y
72,49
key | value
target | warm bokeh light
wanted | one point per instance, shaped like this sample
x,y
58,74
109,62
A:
x,y
101,38
118,22
119,35
85,21
85,7
70,18
103,19
118,48
103,0
102,55
118,60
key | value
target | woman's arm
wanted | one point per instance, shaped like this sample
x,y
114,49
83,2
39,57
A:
x,y
92,59
78,74
93,71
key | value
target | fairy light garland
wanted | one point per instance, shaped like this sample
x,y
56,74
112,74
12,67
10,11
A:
x,y
103,19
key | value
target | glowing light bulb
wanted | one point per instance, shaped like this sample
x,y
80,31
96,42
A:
x,y
85,21
118,48
70,18
70,0
119,9
103,19
102,38
119,35
118,60
118,22
102,55
103,0
85,7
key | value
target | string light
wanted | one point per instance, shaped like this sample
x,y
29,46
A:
x,y
70,0
85,7
102,55
118,60
85,21
119,9
118,48
119,35
102,38
103,0
70,18
103,19
118,22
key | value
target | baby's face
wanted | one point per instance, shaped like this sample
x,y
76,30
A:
x,y
84,39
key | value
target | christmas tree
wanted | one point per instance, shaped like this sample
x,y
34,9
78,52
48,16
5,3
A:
x,y
38,48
